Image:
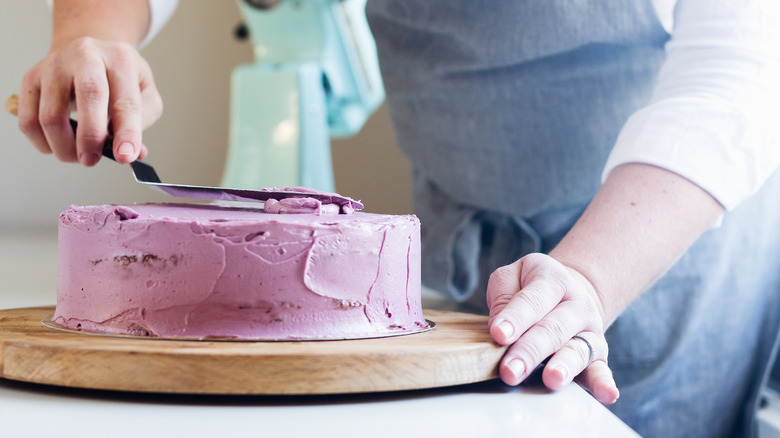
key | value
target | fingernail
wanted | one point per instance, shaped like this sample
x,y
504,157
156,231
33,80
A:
x,y
126,149
516,367
562,372
506,329
89,158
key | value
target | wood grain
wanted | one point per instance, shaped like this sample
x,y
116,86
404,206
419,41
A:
x,y
458,351
12,105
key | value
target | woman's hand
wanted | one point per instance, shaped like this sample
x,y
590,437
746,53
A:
x,y
541,309
111,86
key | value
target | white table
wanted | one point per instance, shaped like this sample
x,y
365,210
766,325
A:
x,y
488,409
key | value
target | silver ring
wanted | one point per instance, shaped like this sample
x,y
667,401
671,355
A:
x,y
591,352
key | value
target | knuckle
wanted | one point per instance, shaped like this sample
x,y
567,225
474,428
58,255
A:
x,y
53,62
581,352
531,351
28,125
500,301
536,259
83,46
588,313
593,317
502,275
91,88
536,264
91,136
49,119
560,281
126,105
125,54
30,78
498,291
553,329
535,301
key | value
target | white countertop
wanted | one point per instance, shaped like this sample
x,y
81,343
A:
x,y
488,409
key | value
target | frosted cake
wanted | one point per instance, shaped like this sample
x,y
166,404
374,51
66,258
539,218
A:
x,y
207,271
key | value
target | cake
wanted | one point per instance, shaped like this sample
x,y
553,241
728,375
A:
x,y
208,271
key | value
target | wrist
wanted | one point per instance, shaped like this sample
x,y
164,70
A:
x,y
588,277
639,223
124,21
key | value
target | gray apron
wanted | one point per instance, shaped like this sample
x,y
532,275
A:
x,y
508,110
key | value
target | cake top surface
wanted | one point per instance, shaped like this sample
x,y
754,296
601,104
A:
x,y
211,213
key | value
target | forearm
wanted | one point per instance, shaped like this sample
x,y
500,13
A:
x,y
639,223
124,21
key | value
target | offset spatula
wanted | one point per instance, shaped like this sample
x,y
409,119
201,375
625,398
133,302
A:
x,y
145,174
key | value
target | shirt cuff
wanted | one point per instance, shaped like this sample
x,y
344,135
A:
x,y
160,11
710,146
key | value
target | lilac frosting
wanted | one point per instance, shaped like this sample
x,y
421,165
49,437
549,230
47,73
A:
x,y
302,206
202,271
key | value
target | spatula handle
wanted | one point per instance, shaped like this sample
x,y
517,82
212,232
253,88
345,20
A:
x,y
12,105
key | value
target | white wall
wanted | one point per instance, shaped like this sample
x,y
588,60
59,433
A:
x,y
192,59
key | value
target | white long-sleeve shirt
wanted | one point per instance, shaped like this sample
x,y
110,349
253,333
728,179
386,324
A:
x,y
714,117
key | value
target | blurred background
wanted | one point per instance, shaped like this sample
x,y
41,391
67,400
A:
x,y
192,58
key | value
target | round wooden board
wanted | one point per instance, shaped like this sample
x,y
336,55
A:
x,y
458,351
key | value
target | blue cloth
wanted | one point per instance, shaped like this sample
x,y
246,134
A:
x,y
508,110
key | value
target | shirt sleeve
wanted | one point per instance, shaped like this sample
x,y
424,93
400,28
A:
x,y
714,117
160,12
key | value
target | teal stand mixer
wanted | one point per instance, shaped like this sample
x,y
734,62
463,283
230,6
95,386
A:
x,y
315,77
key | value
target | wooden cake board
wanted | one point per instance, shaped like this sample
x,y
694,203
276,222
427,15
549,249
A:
x,y
457,351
